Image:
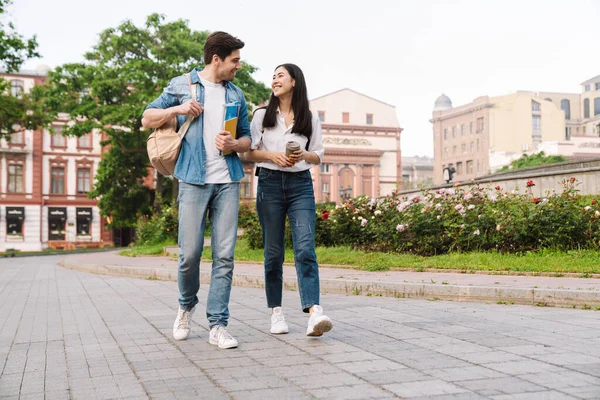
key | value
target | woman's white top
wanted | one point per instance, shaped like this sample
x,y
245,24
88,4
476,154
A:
x,y
274,139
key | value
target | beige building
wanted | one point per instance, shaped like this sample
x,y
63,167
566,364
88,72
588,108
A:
x,y
490,132
361,136
417,171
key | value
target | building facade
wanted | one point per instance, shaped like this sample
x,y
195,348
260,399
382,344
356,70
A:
x,y
417,171
361,136
490,132
44,181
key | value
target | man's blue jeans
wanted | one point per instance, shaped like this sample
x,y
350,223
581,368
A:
x,y
280,194
221,202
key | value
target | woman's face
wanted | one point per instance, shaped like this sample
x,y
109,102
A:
x,y
282,82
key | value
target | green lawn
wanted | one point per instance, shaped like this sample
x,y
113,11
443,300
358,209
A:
x,y
552,262
146,250
585,262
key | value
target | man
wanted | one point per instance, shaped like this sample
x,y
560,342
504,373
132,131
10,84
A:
x,y
208,180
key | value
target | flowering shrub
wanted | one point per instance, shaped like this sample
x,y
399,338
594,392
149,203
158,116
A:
x,y
470,219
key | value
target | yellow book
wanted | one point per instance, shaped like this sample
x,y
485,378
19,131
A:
x,y
230,126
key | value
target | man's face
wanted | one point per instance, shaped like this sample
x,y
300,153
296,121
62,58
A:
x,y
227,68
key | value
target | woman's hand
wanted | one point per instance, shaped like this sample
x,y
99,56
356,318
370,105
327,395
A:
x,y
297,156
281,160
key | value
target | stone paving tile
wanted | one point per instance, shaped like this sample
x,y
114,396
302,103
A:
x,y
81,336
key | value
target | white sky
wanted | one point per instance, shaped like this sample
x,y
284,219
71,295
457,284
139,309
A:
x,y
402,52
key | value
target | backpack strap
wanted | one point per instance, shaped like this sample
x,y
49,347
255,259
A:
x,y
184,128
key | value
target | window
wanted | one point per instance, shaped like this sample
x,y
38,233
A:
x,y
445,133
58,140
84,219
14,221
584,130
586,108
565,105
463,130
478,148
535,106
472,127
346,118
587,88
470,167
548,99
453,150
17,138
463,148
596,106
325,187
57,217
453,132
84,181
568,133
459,168
369,119
479,125
15,178
478,166
58,180
85,141
536,123
446,152
472,147
597,85
16,88
325,168
322,116
598,129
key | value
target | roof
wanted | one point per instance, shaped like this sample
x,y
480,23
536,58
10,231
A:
x,y
594,79
353,91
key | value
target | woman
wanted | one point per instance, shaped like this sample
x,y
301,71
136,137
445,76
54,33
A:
x,y
285,188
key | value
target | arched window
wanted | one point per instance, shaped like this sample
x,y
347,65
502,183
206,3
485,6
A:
x,y
586,108
565,105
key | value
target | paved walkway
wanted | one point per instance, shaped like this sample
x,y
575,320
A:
x,y
564,291
72,335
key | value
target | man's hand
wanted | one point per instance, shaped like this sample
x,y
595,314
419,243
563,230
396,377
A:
x,y
281,160
225,142
191,107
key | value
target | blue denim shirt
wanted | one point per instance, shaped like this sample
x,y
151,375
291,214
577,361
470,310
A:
x,y
191,164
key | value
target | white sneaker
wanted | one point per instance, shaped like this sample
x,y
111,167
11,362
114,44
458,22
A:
x,y
318,323
278,324
181,327
220,337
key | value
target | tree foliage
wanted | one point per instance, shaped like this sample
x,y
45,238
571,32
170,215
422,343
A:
x,y
532,160
14,50
108,92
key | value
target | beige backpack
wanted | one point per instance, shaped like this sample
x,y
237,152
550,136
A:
x,y
164,143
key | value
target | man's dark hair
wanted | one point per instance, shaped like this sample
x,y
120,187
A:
x,y
222,44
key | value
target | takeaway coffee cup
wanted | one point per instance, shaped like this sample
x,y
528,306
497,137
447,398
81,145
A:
x,y
291,147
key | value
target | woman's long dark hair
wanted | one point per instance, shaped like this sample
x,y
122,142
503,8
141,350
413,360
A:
x,y
300,105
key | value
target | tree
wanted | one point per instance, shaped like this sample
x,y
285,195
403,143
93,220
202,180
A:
x,y
108,92
532,160
14,50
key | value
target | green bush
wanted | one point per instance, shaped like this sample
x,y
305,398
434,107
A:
x,y
157,228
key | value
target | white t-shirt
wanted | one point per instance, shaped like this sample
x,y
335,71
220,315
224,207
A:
x,y
214,99
274,139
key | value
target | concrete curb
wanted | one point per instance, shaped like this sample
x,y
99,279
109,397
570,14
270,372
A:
x,y
524,296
